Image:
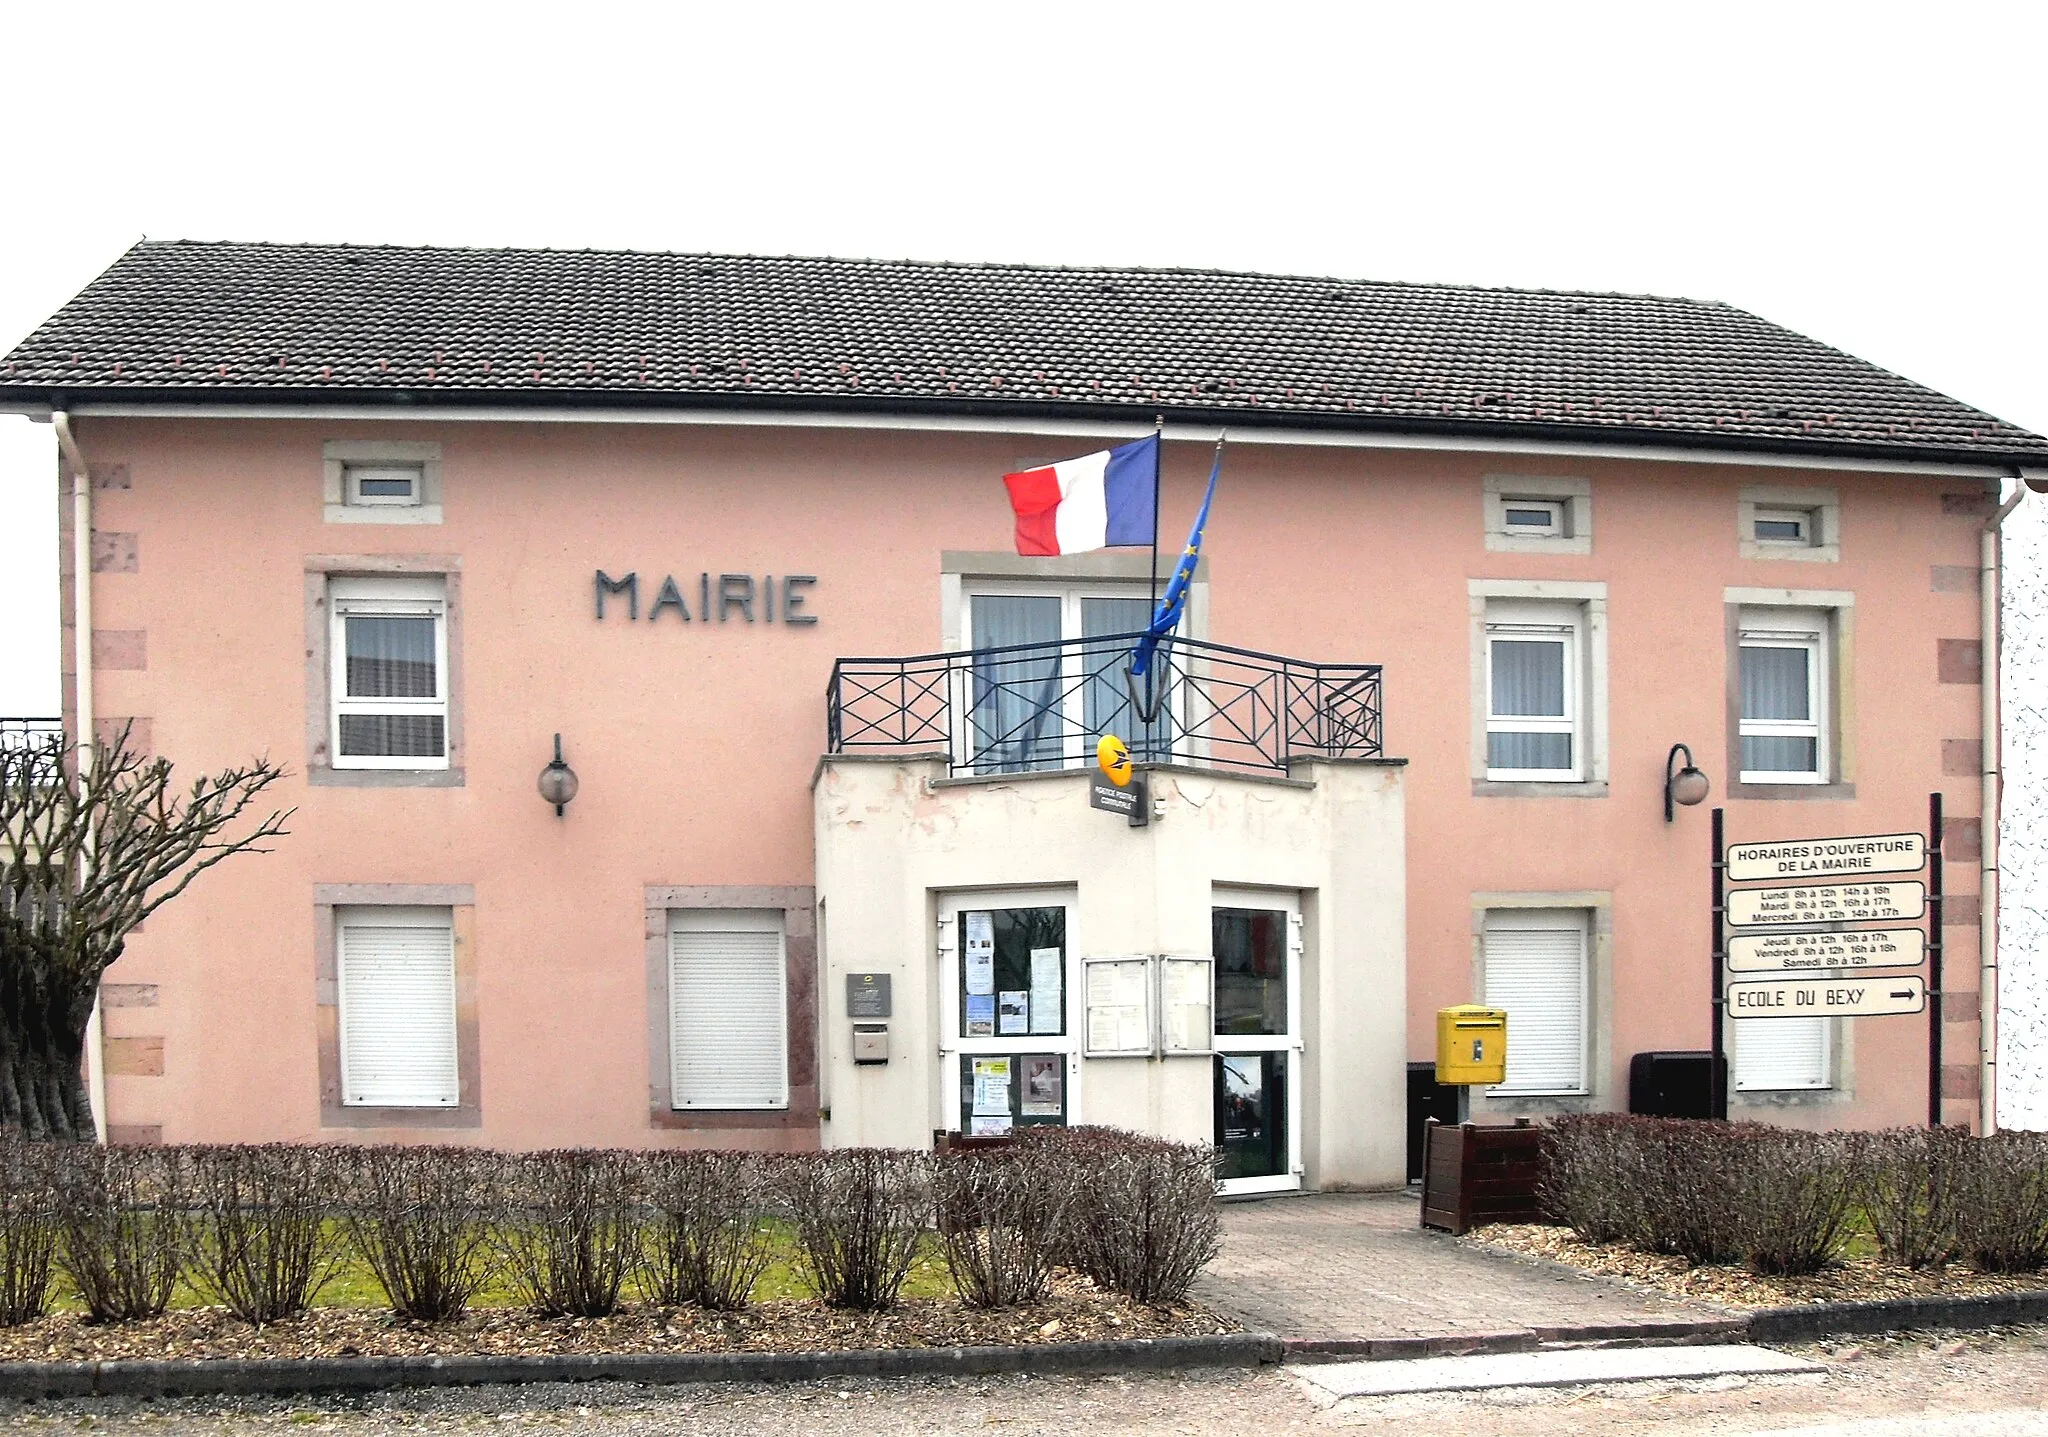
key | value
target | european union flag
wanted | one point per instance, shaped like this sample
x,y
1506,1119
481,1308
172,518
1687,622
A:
x,y
1175,599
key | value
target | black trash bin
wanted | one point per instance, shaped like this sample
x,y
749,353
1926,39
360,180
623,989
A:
x,y
1673,1085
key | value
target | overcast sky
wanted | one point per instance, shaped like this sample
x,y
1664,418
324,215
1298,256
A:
x,y
1872,177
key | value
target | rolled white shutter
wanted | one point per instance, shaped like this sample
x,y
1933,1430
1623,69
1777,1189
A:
x,y
1781,1053
727,1044
1539,976
397,998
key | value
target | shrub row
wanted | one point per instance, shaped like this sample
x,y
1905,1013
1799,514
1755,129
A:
x,y
260,1230
1785,1201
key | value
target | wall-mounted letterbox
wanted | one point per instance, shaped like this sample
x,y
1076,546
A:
x,y
870,1042
1471,1045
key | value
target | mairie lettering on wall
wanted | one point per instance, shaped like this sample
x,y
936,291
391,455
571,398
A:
x,y
715,598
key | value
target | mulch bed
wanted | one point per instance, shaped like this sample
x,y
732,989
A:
x,y
1075,1311
1854,1280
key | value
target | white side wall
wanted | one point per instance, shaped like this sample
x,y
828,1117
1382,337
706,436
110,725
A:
x,y
892,837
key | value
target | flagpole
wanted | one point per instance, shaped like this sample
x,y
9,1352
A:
x,y
1158,458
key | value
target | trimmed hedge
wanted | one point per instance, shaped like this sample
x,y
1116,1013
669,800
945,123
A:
x,y
1785,1201
261,1229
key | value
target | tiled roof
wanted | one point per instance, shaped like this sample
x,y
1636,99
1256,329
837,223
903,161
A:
x,y
183,321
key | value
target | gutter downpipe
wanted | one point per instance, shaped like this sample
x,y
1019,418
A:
x,y
1990,560
81,634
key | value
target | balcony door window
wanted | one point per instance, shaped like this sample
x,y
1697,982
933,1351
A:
x,y
1047,680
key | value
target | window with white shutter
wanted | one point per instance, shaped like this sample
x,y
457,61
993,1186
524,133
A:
x,y
1773,1054
728,1029
395,986
1536,970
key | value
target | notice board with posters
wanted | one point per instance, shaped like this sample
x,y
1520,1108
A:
x,y
1001,1092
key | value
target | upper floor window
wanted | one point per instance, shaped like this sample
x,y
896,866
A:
x,y
1538,515
1533,516
389,647
382,481
394,485
1534,692
1783,683
1784,526
1788,521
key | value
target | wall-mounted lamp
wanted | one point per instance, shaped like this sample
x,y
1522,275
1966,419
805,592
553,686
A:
x,y
558,782
1682,785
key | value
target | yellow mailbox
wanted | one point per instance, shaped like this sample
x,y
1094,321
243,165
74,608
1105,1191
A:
x,y
1471,1045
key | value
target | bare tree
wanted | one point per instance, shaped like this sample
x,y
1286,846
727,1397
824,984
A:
x,y
91,843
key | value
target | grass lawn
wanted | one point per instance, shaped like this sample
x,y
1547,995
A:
x,y
352,1284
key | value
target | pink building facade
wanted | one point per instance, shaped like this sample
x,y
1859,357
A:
x,y
809,892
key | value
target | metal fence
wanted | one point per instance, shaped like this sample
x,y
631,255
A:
x,y
1044,706
30,732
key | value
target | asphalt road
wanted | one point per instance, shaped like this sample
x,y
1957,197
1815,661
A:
x,y
1979,1386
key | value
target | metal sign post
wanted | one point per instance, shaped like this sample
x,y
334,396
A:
x,y
1717,1081
1934,886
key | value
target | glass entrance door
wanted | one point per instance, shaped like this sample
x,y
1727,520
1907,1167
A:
x,y
1256,945
1006,982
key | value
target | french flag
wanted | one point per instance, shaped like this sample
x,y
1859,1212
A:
x,y
1094,502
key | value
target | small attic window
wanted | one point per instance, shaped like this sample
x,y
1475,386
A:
x,y
1538,514
380,481
1533,516
1784,526
392,485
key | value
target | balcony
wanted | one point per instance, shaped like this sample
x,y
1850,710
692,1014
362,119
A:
x,y
1034,707
30,732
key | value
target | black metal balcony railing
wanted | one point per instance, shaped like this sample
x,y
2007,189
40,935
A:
x,y
30,732
1044,706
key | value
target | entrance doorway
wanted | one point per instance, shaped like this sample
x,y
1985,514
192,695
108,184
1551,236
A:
x,y
1256,941
1006,983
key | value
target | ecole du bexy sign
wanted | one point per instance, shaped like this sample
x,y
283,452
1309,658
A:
x,y
717,598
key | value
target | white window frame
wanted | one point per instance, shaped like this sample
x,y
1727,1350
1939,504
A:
x,y
343,501
353,475
1819,507
1807,630
1518,621
1571,499
1804,519
728,920
1552,525
348,918
385,597
1573,920
1821,1081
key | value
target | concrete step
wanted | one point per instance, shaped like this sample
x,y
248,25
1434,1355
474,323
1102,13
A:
x,y
1653,1333
1556,1367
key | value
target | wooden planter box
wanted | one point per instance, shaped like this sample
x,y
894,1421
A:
x,y
1473,1175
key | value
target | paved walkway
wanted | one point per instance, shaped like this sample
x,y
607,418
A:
x,y
1340,1266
